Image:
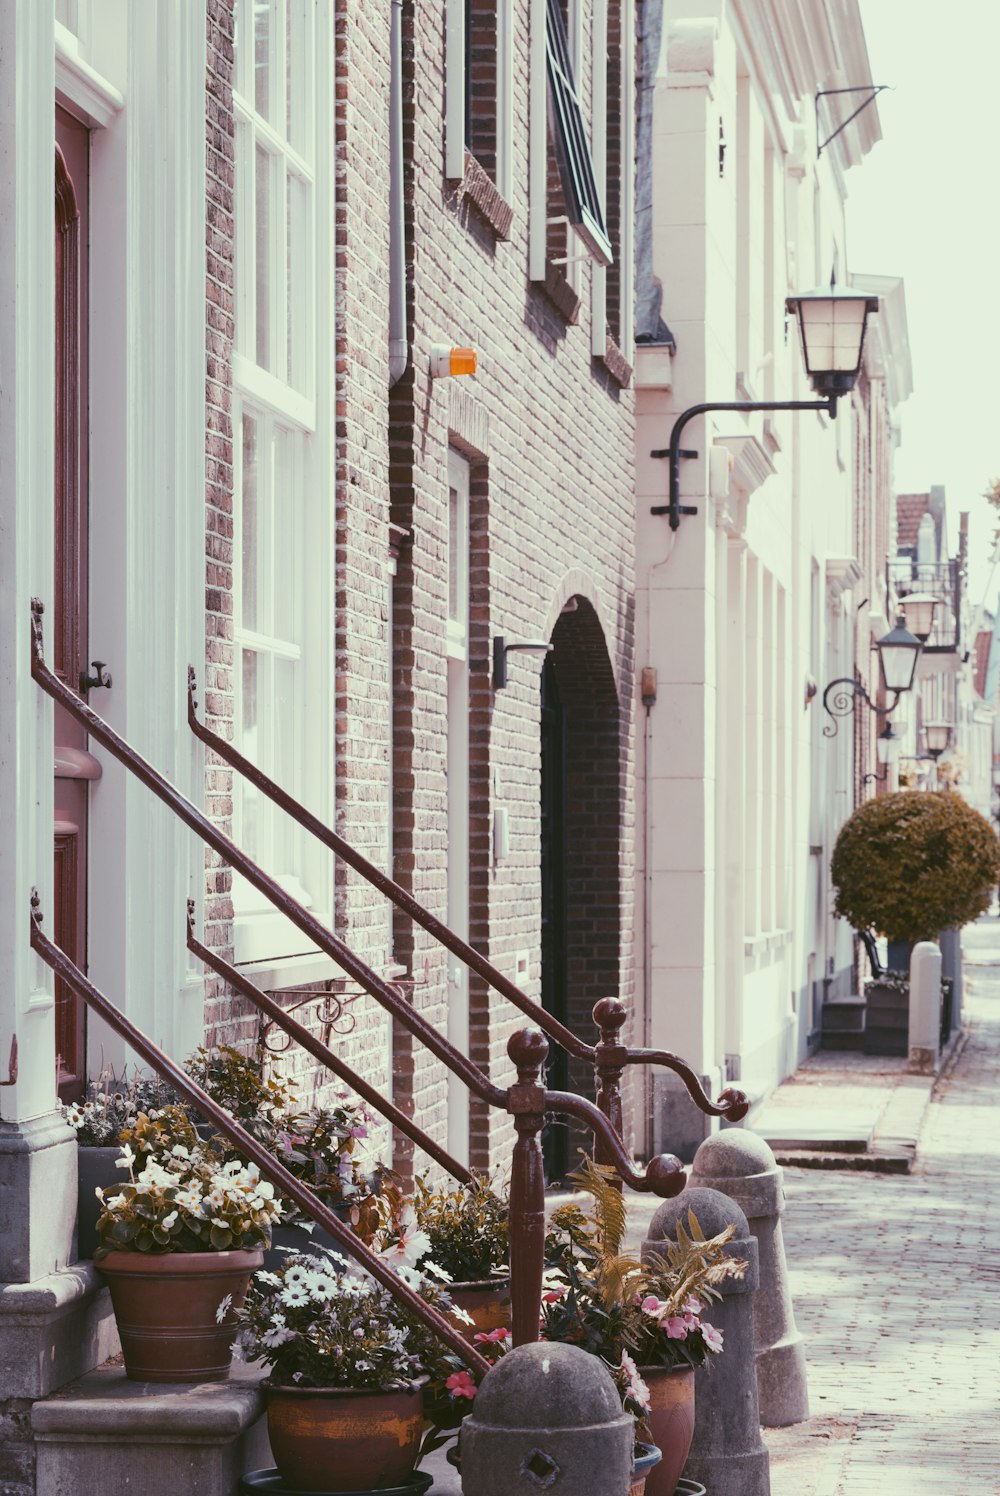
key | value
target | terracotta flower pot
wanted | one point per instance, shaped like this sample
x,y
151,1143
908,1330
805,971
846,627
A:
x,y
166,1303
670,1422
646,1456
488,1302
342,1438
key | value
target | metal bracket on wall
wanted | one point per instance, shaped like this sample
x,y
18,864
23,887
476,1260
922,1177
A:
x,y
826,93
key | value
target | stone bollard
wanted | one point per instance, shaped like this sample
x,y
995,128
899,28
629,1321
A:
x,y
742,1166
727,1452
925,1009
547,1415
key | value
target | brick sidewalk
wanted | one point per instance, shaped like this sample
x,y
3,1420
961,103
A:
x,y
896,1284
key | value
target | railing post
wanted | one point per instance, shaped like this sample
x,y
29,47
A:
x,y
529,1049
609,1061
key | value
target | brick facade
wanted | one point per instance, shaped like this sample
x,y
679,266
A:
x,y
548,436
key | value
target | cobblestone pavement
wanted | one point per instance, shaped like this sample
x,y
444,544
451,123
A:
x,y
896,1285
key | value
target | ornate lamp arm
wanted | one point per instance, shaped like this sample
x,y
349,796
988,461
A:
x,y
841,702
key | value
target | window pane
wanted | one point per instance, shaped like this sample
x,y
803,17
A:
x,y
263,235
286,728
249,743
288,538
299,282
262,56
298,44
249,528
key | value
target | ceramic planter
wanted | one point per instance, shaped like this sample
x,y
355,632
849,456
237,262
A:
x,y
344,1439
646,1456
488,1302
165,1304
670,1422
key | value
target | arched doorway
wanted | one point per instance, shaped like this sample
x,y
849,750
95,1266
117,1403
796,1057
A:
x,y
581,831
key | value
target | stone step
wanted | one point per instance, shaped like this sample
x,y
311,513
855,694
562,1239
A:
x,y
107,1433
844,1015
886,1040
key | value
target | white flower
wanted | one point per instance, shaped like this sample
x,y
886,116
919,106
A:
x,y
270,1278
168,1220
223,1309
461,1315
430,1266
179,1151
295,1272
294,1295
127,1159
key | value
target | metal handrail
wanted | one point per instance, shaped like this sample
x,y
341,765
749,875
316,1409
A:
x,y
527,1101
249,1147
732,1104
322,1052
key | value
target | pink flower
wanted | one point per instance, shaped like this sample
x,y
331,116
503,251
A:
x,y
553,1296
494,1335
712,1337
674,1327
691,1305
628,1365
460,1384
652,1305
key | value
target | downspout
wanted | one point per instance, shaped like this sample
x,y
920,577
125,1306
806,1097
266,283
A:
x,y
399,350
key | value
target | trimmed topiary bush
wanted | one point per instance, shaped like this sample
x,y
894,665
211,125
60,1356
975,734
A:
x,y
913,864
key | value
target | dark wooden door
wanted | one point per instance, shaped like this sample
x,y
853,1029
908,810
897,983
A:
x,y
555,1142
74,766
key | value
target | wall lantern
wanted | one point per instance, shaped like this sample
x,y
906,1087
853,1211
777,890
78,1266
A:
x,y
937,736
501,649
898,653
918,610
832,323
887,747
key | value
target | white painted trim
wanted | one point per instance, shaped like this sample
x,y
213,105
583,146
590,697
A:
x,y
626,233
80,86
505,100
458,831
537,142
27,337
454,90
148,267
599,150
263,389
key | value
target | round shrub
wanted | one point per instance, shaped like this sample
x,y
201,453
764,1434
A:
x,y
913,864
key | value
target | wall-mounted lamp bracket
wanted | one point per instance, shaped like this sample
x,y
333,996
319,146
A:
x,y
841,703
675,451
501,649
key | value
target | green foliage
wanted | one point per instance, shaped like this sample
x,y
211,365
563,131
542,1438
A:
x,y
186,1199
467,1229
913,864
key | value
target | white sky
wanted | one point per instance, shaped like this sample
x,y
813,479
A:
x,y
925,204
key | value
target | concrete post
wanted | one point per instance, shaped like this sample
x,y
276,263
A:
x,y
547,1414
727,1452
742,1166
925,1009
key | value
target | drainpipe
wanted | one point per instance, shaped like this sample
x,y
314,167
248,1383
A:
x,y
399,351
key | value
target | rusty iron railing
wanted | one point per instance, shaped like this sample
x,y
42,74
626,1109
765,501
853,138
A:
x,y
526,1101
609,1056
249,1147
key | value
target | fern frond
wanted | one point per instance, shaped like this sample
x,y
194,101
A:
x,y
610,1210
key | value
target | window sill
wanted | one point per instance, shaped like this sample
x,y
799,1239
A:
x,y
557,290
480,191
617,365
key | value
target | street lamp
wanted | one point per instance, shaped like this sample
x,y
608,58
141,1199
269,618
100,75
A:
x,y
918,610
887,746
937,736
898,653
832,322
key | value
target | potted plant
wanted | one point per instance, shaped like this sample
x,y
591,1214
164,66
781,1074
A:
x,y
111,1104
645,1320
911,866
347,1371
183,1232
468,1238
324,1146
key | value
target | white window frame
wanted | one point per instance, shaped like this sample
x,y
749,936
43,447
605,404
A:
x,y
277,952
626,169
455,92
538,141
